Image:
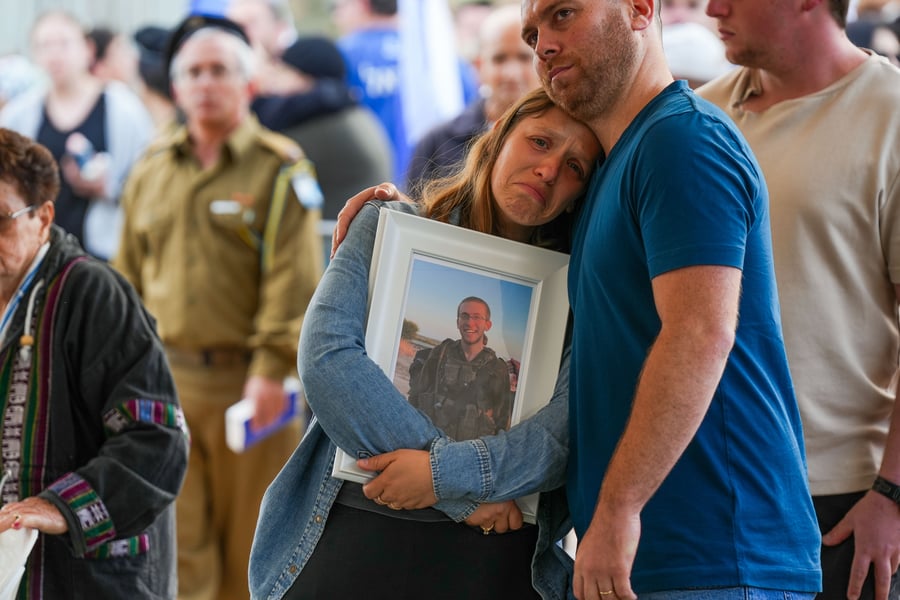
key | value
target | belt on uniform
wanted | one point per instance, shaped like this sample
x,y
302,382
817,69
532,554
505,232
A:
x,y
208,357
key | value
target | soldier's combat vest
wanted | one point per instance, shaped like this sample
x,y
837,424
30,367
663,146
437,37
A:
x,y
465,399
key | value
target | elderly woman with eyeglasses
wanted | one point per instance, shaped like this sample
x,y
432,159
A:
x,y
94,446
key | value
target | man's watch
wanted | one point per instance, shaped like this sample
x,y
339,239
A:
x,y
887,488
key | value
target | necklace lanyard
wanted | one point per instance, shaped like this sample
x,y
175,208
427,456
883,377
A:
x,y
20,292
24,426
14,426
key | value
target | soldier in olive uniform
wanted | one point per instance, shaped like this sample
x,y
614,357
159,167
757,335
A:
x,y
461,384
220,241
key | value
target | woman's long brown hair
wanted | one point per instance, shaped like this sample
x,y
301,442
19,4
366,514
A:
x,y
468,191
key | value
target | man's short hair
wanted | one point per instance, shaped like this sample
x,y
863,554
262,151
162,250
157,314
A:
x,y
194,23
474,299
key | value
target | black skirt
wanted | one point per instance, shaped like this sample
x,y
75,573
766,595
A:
x,y
366,555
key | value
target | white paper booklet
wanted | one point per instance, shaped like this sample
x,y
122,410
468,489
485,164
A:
x,y
15,546
239,435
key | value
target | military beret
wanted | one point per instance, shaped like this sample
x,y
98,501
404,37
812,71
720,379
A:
x,y
194,23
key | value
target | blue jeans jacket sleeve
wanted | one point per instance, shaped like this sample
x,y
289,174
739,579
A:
x,y
355,403
530,457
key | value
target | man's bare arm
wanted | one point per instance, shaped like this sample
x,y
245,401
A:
x,y
698,308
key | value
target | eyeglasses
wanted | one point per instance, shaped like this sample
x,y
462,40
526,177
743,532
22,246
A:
x,y
7,219
467,317
217,72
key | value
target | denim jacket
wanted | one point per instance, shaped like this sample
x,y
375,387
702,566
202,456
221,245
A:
x,y
366,415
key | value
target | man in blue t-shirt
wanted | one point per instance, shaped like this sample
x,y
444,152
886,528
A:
x,y
371,46
687,471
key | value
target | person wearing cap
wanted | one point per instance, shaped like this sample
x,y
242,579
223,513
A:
x,y
153,87
345,141
220,241
820,115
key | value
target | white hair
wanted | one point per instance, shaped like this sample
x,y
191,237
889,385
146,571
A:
x,y
241,51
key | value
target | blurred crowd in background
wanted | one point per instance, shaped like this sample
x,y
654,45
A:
x,y
413,65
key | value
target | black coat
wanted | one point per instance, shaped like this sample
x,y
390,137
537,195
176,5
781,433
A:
x,y
102,436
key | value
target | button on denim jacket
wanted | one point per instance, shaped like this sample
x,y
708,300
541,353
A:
x,y
358,408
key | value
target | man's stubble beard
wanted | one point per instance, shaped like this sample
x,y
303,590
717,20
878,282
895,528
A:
x,y
754,58
604,75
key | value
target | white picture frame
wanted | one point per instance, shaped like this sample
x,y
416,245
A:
x,y
405,242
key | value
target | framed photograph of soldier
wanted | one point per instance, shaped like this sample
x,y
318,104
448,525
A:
x,y
461,345
468,326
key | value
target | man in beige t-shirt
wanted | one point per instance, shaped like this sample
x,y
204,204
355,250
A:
x,y
822,117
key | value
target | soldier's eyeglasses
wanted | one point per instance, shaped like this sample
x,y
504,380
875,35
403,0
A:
x,y
468,317
7,219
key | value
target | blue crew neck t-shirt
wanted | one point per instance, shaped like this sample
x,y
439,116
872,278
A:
x,y
682,188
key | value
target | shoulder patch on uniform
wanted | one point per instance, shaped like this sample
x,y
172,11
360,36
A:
x,y
283,146
305,184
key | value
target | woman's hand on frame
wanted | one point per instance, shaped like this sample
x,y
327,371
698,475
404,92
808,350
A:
x,y
404,479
